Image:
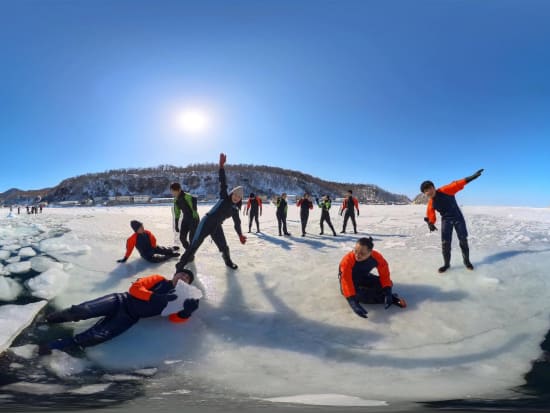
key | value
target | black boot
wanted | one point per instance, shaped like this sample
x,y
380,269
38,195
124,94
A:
x,y
227,260
466,254
446,248
61,317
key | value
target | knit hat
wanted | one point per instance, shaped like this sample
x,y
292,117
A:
x,y
135,225
238,190
252,195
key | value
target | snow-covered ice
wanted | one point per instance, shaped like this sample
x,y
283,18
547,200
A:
x,y
278,328
9,289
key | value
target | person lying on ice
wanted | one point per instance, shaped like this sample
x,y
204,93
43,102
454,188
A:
x,y
358,285
146,244
147,297
227,206
443,200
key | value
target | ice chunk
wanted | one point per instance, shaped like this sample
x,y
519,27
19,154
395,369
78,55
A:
x,y
121,377
328,400
16,366
4,254
27,351
91,389
19,267
11,247
27,252
34,388
60,246
63,365
147,372
184,291
14,319
9,289
15,258
42,263
48,284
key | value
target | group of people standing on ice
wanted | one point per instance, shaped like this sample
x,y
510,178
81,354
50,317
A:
x,y
152,295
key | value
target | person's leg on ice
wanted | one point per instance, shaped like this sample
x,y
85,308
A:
x,y
462,234
218,237
446,238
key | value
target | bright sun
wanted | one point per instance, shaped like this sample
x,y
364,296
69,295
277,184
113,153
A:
x,y
193,121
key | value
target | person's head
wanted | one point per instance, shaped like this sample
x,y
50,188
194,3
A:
x,y
137,226
175,188
237,194
349,192
326,197
428,188
363,248
306,195
184,275
283,195
251,196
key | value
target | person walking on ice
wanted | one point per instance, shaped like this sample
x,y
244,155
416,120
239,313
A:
x,y
147,297
281,213
228,205
253,207
358,285
349,206
305,204
443,200
185,205
325,205
146,244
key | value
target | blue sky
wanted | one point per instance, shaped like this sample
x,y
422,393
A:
x,y
383,92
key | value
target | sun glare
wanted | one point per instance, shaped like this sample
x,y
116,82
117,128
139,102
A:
x,y
193,121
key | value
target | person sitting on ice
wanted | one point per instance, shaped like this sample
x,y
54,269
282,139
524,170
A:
x,y
358,285
147,297
227,206
146,244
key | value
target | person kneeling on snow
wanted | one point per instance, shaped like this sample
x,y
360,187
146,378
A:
x,y
146,244
358,285
147,297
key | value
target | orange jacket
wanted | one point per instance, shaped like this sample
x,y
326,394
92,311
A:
x,y
142,290
345,204
347,285
449,189
131,242
249,204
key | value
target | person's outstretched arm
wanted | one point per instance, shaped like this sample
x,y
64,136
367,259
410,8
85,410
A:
x,y
223,180
474,176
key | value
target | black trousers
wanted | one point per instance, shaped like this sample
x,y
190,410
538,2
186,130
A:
x,y
368,289
281,221
158,254
116,318
325,217
207,226
188,227
304,216
253,216
347,216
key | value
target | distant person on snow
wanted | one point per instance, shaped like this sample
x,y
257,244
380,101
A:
x,y
254,205
443,200
147,297
349,206
305,204
185,206
325,205
358,285
146,244
281,212
228,205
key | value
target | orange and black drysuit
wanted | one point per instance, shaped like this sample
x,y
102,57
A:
x,y
147,297
445,203
356,280
349,206
146,244
211,224
305,205
253,207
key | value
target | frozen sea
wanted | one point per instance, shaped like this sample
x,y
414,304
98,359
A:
x,y
276,334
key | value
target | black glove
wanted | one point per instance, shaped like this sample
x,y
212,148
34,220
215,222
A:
x,y
474,176
388,297
357,212
189,305
176,226
431,226
122,260
356,307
